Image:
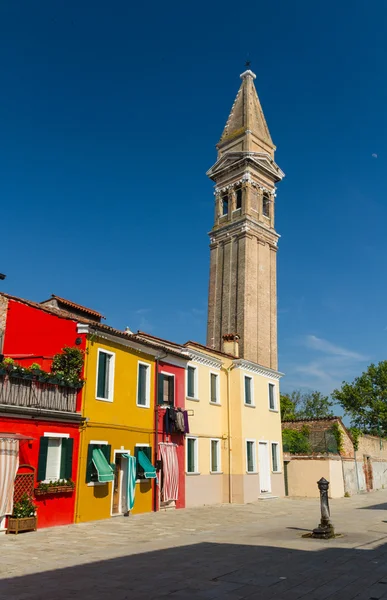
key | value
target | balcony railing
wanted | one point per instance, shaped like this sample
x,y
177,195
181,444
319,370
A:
x,y
15,391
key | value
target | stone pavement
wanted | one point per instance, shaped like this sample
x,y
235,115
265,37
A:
x,y
227,552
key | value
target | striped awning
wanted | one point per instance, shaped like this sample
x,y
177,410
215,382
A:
x,y
145,463
104,470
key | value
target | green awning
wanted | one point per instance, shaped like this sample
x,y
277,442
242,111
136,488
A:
x,y
104,470
145,463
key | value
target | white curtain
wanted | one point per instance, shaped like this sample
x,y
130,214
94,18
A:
x,y
9,463
170,489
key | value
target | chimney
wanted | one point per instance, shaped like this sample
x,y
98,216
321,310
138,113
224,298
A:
x,y
230,344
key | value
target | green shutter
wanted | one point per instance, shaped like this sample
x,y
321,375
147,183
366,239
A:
x,y
160,388
214,456
89,464
66,461
247,390
191,382
142,382
106,450
102,374
271,396
213,388
274,456
42,458
190,455
171,391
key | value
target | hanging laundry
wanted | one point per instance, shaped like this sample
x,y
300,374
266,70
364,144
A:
x,y
186,424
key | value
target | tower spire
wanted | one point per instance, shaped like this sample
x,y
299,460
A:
x,y
246,125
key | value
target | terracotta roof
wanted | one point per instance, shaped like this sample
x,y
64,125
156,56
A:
x,y
208,349
311,419
157,342
49,309
71,304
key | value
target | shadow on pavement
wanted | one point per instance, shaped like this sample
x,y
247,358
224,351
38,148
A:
x,y
374,507
213,570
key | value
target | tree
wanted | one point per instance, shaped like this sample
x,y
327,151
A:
x,y
365,399
307,405
316,406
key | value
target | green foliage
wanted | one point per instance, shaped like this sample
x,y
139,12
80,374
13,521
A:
x,y
68,363
305,405
365,400
339,436
296,442
355,434
24,508
35,367
57,483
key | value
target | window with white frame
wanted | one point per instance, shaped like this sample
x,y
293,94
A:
x,y
272,397
249,390
166,389
143,385
192,382
105,375
215,456
275,457
251,459
55,457
214,388
192,455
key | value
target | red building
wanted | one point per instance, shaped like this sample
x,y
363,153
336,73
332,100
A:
x,y
169,440
41,417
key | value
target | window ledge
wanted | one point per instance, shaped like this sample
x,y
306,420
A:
x,y
104,399
216,472
196,473
215,403
251,472
250,405
142,405
166,406
274,410
276,472
97,483
192,399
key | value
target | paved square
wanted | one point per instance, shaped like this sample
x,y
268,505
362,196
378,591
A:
x,y
228,552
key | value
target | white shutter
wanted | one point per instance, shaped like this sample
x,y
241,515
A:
x,y
53,459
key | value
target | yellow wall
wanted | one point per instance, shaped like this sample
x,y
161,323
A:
x,y
120,423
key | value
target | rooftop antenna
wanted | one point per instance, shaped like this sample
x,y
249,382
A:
x,y
2,276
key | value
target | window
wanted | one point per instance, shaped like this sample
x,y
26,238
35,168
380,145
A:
x,y
225,205
166,389
272,398
266,204
105,375
238,198
214,388
249,400
192,455
192,391
91,471
251,466
215,456
55,457
147,450
143,385
275,457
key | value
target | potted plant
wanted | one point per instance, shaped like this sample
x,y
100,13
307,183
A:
x,y
61,486
23,517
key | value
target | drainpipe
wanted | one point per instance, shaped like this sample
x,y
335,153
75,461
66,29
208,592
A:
x,y
228,370
82,429
156,424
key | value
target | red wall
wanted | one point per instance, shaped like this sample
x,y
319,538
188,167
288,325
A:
x,y
30,330
55,509
177,438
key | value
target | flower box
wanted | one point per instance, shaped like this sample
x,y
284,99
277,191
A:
x,y
15,525
54,489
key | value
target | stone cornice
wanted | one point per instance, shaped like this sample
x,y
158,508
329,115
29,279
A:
x,y
204,359
259,160
244,226
251,367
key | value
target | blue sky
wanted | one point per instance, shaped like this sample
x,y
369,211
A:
x,y
109,116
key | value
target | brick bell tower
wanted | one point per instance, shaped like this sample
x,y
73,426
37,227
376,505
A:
x,y
243,242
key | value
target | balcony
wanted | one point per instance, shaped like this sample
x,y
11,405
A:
x,y
30,393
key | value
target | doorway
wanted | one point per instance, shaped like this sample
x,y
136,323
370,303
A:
x,y
120,484
264,467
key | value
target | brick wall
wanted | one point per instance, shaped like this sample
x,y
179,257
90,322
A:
x,y
318,429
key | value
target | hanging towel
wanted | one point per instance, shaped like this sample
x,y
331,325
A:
x,y
179,421
9,463
131,479
170,487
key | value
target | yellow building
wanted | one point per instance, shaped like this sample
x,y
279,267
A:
x,y
118,407
233,450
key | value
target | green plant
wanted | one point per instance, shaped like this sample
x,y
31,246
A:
x,y
35,367
355,434
44,486
339,437
296,442
9,361
347,495
24,508
69,363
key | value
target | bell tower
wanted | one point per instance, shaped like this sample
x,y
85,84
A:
x,y
243,242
